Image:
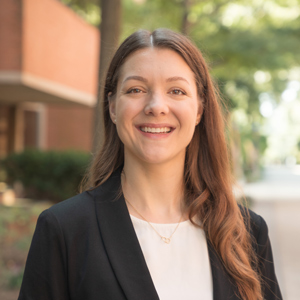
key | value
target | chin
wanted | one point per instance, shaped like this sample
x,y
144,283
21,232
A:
x,y
153,160
162,158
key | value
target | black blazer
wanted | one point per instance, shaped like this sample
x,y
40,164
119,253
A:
x,y
85,248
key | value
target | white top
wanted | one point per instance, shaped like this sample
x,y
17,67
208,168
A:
x,y
181,269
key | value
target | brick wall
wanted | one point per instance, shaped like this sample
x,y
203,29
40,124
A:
x,y
69,127
59,46
10,35
46,39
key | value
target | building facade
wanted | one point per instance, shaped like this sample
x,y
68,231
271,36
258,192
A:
x,y
48,76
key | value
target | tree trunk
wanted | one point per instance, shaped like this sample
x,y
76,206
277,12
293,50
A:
x,y
185,26
109,39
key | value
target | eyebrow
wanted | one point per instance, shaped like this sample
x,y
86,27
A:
x,y
176,78
140,78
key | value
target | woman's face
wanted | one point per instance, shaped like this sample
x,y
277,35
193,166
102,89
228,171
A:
x,y
156,106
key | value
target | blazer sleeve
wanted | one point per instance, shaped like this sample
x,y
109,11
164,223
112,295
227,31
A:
x,y
45,275
271,290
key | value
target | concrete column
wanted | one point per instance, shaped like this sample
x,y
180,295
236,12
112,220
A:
x,y
16,129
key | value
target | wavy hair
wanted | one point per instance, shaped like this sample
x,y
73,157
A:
x,y
207,173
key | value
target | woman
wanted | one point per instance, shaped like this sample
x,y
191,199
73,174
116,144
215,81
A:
x,y
160,221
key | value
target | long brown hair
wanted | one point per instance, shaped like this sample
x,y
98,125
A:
x,y
207,169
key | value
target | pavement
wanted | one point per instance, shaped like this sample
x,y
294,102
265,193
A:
x,y
277,199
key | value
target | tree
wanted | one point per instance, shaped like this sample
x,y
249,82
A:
x,y
109,32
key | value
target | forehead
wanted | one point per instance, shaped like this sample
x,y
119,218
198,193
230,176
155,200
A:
x,y
157,62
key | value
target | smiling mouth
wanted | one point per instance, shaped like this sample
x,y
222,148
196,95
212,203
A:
x,y
156,130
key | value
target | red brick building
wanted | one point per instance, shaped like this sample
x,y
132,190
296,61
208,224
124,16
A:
x,y
48,76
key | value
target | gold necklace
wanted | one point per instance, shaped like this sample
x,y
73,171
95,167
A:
x,y
167,240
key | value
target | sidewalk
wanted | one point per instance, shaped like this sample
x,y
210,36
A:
x,y
277,199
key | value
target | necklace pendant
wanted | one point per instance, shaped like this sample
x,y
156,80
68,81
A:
x,y
166,240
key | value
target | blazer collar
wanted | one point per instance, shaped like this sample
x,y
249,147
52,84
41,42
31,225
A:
x,y
125,253
120,241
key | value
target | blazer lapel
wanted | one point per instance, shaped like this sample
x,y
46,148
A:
x,y
121,243
223,288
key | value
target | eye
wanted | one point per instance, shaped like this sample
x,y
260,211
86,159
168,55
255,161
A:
x,y
177,92
134,91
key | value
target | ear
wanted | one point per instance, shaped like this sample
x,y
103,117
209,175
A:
x,y
112,108
200,112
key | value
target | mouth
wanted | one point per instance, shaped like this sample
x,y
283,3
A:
x,y
156,130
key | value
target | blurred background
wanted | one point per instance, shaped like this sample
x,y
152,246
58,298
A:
x,y
53,55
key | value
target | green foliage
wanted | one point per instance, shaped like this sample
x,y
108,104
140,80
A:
x,y
52,175
151,15
87,9
14,280
17,224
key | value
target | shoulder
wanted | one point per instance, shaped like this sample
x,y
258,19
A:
x,y
83,204
80,211
75,206
68,214
256,225
262,246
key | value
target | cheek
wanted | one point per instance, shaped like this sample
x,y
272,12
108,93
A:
x,y
123,133
126,113
189,118
188,114
128,110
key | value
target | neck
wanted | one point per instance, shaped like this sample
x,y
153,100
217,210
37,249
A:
x,y
155,191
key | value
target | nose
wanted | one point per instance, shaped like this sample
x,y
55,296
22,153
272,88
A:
x,y
156,104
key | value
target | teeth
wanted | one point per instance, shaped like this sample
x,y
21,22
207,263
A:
x,y
156,130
